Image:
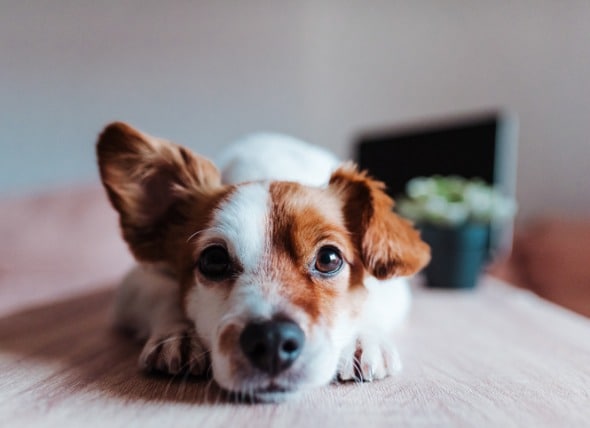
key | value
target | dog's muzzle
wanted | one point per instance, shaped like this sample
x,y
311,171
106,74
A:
x,y
272,346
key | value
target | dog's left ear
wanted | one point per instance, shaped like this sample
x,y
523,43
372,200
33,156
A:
x,y
151,183
389,245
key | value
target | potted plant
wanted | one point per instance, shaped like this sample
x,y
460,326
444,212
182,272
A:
x,y
455,216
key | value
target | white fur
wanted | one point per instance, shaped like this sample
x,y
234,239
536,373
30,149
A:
x,y
386,307
241,223
267,156
147,304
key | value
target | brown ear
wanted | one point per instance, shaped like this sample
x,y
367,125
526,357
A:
x,y
388,245
148,180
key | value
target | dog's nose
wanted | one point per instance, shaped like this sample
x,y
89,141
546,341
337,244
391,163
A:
x,y
272,346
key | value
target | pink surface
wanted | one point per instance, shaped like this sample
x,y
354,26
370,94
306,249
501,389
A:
x,y
58,244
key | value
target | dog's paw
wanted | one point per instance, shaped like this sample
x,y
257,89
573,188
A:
x,y
369,359
176,350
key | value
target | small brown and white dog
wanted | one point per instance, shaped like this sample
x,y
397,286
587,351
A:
x,y
275,285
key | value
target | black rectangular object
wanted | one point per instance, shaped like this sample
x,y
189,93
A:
x,y
482,145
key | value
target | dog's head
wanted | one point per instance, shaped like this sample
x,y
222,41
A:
x,y
271,273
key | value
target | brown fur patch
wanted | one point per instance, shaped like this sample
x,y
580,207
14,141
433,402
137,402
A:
x,y
229,339
179,245
388,244
152,184
302,221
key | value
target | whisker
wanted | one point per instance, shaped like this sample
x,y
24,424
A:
x,y
168,385
183,383
212,230
208,389
358,374
193,236
167,339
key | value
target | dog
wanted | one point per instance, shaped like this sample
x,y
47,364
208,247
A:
x,y
274,286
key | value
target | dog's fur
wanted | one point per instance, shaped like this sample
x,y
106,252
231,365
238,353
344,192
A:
x,y
276,235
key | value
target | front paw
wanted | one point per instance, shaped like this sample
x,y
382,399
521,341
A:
x,y
175,350
369,359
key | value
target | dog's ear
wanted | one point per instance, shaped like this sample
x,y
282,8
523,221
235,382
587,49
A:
x,y
149,181
388,244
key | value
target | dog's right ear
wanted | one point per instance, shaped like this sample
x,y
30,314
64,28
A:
x,y
388,245
149,181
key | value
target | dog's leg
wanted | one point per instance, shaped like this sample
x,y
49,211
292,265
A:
x,y
372,354
368,359
148,305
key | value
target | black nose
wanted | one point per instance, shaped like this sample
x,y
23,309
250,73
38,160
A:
x,y
272,346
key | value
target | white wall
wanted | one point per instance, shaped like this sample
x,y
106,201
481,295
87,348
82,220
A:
x,y
203,73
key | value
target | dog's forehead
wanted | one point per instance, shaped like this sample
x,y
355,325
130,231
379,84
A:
x,y
303,216
291,199
258,216
275,230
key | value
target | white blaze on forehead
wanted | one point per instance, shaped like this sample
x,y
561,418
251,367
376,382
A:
x,y
242,221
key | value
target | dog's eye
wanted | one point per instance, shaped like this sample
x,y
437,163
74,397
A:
x,y
215,263
328,261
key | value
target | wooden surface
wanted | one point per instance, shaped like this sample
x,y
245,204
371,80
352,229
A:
x,y
499,356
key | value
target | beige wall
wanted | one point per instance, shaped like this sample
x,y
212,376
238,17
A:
x,y
205,72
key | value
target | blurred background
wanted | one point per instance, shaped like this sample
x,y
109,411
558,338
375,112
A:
x,y
204,73
207,72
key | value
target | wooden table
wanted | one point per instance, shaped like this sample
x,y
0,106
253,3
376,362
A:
x,y
498,356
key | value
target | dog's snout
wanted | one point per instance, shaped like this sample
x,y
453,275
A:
x,y
272,346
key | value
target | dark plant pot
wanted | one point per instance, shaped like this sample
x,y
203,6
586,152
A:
x,y
458,254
